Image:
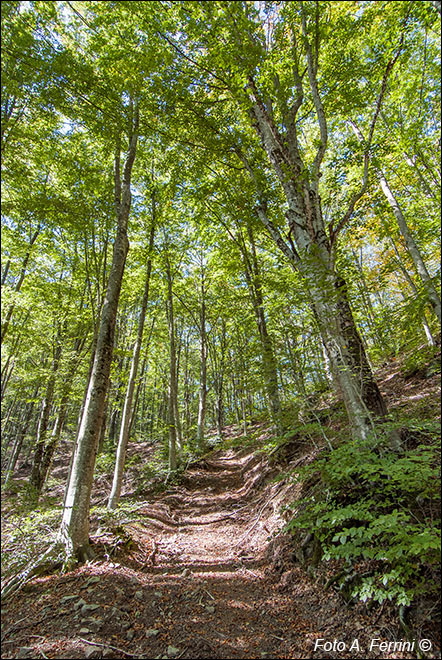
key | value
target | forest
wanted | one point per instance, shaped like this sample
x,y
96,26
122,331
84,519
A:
x,y
220,331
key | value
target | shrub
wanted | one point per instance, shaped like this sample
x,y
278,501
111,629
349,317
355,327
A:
x,y
377,514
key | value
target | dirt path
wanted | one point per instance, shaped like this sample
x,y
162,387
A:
x,y
194,583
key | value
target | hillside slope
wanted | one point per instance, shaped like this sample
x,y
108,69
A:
x,y
202,570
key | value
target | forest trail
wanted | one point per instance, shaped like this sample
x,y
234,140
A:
x,y
207,554
195,576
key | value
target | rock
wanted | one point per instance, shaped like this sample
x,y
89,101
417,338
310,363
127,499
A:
x,y
66,599
172,651
125,625
152,632
79,604
92,652
210,609
88,608
130,634
24,650
84,631
91,621
139,595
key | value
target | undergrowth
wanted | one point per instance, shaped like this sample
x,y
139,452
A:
x,y
26,535
375,515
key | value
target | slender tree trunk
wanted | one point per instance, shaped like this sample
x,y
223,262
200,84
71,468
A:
x,y
413,287
36,474
269,363
366,298
18,443
412,247
9,420
6,271
51,446
103,425
19,283
114,496
7,373
217,352
203,371
172,389
297,371
74,529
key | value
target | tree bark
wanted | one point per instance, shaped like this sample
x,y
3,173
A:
x,y
18,286
203,370
172,387
74,529
269,362
18,443
36,475
412,247
313,256
114,496
413,287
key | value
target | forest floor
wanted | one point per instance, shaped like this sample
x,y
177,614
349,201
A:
x,y
201,571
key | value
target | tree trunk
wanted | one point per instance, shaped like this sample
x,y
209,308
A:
x,y
172,388
51,446
313,260
36,476
19,283
412,247
413,287
269,364
74,529
19,439
203,372
114,496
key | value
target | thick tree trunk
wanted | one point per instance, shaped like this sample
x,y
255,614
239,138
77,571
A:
x,y
370,392
74,529
313,259
114,496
